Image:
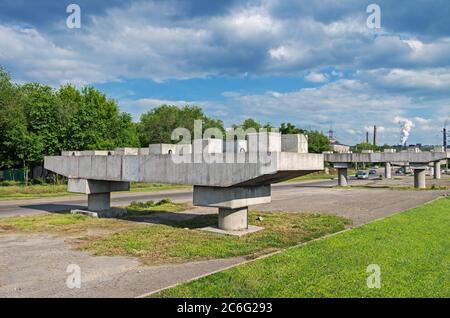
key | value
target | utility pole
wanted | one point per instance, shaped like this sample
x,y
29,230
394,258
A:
x,y
444,135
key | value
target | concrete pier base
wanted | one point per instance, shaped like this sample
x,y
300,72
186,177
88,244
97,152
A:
x,y
98,202
419,178
342,169
388,170
437,170
233,203
99,196
233,219
342,177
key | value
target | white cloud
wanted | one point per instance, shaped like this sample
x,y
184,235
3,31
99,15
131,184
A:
x,y
316,77
154,40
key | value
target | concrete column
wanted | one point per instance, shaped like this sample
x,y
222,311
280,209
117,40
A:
x,y
98,202
233,219
437,170
342,177
388,170
419,178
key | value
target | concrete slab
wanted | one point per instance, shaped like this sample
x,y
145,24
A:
x,y
249,230
111,213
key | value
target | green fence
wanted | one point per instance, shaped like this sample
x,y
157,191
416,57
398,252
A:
x,y
12,175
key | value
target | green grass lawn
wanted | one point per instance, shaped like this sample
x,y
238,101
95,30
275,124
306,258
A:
x,y
412,249
18,192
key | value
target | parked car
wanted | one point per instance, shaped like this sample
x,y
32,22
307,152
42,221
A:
x,y
372,172
361,175
399,172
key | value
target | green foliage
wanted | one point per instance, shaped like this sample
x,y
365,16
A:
x,y
252,124
36,120
365,146
317,142
157,125
290,129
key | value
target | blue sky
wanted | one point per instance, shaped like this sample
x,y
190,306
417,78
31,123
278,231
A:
x,y
313,63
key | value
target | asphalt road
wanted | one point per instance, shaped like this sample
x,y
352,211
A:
x,y
38,206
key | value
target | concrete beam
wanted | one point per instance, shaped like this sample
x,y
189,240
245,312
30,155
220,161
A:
x,y
232,197
294,143
87,186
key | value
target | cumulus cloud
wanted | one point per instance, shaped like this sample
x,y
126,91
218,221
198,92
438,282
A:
x,y
163,40
316,77
365,77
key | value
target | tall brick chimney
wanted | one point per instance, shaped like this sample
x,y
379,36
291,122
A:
x,y
375,137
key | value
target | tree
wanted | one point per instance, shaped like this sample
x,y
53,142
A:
x,y
157,125
317,142
36,120
250,123
290,129
365,146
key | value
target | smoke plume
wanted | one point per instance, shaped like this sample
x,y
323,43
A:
x,y
405,126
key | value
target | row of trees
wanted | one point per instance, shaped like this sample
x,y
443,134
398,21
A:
x,y
36,120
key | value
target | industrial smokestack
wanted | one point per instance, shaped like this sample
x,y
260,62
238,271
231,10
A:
x,y
375,137
445,139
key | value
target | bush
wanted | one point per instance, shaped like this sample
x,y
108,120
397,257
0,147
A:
x,y
39,181
164,201
8,183
149,204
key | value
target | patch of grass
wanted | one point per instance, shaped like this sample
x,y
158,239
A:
x,y
75,224
314,176
429,187
148,187
179,241
411,248
15,191
160,234
58,224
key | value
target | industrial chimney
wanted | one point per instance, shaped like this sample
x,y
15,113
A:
x,y
445,139
375,137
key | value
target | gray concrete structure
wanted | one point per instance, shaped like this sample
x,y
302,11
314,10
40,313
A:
x,y
388,170
416,160
437,169
229,186
342,173
419,176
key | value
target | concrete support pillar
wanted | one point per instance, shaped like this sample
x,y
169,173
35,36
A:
x,y
98,202
233,203
419,178
437,170
233,219
388,170
342,177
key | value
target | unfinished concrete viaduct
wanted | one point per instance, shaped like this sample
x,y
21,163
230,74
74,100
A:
x,y
228,175
418,161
